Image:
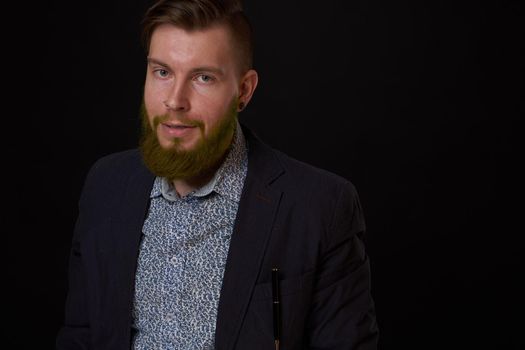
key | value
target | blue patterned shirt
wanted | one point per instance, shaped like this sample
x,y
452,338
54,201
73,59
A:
x,y
182,258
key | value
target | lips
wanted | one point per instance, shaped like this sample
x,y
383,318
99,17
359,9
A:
x,y
177,126
171,130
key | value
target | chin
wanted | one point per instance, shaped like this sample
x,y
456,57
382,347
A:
x,y
165,144
169,145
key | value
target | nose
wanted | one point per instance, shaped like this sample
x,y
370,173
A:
x,y
177,99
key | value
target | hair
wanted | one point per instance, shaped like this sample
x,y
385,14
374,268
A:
x,y
201,14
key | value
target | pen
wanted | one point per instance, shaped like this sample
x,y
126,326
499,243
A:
x,y
276,307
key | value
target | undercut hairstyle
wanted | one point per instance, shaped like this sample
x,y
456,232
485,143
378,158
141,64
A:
x,y
201,14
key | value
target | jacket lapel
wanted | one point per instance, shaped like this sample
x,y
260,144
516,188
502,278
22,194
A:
x,y
129,226
255,217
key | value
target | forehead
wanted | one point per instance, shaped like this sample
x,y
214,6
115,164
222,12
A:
x,y
179,46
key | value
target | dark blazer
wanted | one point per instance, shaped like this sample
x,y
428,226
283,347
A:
x,y
303,220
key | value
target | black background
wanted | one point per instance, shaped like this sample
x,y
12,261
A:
x,y
416,102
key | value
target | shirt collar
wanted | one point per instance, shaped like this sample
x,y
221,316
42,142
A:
x,y
227,181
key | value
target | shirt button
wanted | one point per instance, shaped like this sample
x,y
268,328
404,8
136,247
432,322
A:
x,y
173,259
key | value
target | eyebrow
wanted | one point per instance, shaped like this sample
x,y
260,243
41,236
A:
x,y
211,69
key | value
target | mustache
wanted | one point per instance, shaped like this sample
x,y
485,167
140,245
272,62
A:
x,y
179,118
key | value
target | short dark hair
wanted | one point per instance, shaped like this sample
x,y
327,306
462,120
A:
x,y
201,14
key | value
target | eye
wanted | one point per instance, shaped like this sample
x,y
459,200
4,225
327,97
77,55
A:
x,y
205,79
161,73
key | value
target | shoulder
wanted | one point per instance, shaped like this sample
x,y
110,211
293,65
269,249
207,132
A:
x,y
111,173
294,173
117,162
302,181
319,188
303,173
318,195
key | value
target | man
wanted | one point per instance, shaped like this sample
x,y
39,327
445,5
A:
x,y
206,238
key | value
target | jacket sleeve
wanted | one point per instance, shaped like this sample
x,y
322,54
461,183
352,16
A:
x,y
75,333
343,314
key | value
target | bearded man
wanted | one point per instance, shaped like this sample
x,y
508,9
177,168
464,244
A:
x,y
204,237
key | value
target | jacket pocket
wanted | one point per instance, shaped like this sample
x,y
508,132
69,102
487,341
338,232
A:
x,y
294,294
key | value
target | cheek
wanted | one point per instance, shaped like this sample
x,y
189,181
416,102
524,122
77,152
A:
x,y
216,113
215,107
153,100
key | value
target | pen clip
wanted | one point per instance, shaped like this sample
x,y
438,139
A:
x,y
276,307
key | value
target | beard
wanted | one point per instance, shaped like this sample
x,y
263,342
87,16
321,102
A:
x,y
176,163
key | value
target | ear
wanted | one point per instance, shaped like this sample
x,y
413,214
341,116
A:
x,y
247,86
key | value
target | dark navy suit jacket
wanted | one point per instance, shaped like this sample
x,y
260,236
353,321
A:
x,y
303,220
